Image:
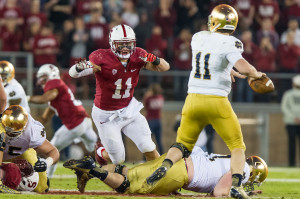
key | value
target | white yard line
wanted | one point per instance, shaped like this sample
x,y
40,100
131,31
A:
x,y
267,180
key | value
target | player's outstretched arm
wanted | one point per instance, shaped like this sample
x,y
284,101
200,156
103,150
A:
x,y
155,63
247,69
83,68
45,98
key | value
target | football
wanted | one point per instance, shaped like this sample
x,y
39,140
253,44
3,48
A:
x,y
262,85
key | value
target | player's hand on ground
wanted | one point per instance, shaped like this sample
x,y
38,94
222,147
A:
x,y
82,64
40,165
149,57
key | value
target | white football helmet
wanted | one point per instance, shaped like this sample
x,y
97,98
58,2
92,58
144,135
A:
x,y
29,183
49,70
122,41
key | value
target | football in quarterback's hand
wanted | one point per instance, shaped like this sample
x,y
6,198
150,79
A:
x,y
262,85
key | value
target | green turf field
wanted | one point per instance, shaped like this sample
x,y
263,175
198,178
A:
x,y
282,182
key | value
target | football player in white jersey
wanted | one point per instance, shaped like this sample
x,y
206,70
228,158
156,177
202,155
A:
x,y
22,137
14,91
201,172
215,53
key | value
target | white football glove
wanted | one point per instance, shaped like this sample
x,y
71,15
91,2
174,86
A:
x,y
82,64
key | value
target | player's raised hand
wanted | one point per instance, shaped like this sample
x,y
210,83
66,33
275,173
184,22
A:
x,y
82,64
149,57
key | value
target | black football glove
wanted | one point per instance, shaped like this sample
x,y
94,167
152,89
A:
x,y
40,165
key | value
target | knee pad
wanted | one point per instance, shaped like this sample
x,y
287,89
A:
x,y
119,169
123,187
185,152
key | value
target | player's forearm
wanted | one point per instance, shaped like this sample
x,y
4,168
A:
x,y
38,99
54,155
247,69
75,73
161,67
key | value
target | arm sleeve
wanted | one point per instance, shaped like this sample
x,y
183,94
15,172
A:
x,y
234,57
73,72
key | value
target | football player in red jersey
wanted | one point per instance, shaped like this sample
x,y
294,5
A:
x,y
76,122
115,109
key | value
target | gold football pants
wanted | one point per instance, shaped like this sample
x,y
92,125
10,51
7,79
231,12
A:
x,y
200,110
175,178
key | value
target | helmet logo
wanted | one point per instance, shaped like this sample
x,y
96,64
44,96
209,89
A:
x,y
114,71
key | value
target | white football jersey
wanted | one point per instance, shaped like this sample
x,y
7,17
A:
x,y
33,136
211,69
208,170
14,90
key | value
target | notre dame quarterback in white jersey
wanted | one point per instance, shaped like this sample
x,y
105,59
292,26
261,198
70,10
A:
x,y
15,93
213,57
215,53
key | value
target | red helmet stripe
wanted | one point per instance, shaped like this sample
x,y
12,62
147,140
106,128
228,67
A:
x,y
124,30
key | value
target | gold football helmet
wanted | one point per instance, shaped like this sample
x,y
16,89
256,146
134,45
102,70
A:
x,y
258,172
7,72
14,120
223,18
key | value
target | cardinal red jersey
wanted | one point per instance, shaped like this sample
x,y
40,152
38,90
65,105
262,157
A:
x,y
115,82
68,109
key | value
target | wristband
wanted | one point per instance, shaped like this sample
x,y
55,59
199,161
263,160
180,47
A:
x,y
49,161
156,62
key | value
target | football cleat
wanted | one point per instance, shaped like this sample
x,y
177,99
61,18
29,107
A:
x,y
238,192
84,165
99,149
82,179
157,175
5,189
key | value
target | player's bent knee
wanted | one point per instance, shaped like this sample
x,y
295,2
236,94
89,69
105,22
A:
x,y
124,186
185,152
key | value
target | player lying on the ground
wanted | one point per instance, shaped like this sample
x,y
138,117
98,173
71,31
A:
x,y
19,175
201,172
22,137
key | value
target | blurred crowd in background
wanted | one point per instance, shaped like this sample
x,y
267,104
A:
x,y
61,31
